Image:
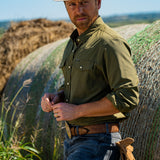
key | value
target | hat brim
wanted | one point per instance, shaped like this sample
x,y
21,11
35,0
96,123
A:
x,y
60,0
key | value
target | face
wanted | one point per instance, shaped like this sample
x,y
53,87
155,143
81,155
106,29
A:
x,y
83,13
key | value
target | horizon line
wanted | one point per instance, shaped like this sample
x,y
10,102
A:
x,y
67,19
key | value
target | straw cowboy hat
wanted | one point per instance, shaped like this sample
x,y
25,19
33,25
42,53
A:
x,y
61,0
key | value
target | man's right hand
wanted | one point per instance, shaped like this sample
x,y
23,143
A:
x,y
50,99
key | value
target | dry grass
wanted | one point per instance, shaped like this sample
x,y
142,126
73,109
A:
x,y
23,38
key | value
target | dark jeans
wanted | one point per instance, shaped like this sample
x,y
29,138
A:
x,y
92,147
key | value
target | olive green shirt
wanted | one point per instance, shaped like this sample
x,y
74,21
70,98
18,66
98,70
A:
x,y
98,64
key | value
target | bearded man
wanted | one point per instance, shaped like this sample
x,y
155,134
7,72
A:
x,y
100,87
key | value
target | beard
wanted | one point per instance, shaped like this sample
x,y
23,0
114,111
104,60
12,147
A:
x,y
82,21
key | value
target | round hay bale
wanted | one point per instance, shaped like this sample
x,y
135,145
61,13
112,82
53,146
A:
x,y
23,38
41,66
144,123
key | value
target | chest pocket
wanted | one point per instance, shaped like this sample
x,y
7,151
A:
x,y
83,66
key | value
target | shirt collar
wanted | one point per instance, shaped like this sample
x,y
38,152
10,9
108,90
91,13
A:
x,y
84,36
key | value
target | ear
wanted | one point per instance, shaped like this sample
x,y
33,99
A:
x,y
99,4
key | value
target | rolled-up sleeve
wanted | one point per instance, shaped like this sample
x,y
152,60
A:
x,y
122,76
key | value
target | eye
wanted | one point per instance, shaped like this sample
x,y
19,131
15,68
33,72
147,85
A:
x,y
84,3
72,4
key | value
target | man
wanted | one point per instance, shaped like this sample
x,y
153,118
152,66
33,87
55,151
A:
x,y
100,87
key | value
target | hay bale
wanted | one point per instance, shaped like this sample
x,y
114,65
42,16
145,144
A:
x,y
127,31
144,123
42,67
24,37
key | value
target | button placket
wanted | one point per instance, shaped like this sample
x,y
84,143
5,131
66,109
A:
x,y
69,70
68,81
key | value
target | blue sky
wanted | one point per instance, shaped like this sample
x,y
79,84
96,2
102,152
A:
x,y
19,9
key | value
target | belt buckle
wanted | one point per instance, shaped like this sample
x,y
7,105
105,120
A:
x,y
68,130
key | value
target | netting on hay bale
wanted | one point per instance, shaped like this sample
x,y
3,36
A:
x,y
41,66
144,123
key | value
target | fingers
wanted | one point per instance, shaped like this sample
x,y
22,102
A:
x,y
49,96
53,98
47,101
64,111
45,104
57,112
57,116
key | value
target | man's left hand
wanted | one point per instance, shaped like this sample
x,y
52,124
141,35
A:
x,y
65,111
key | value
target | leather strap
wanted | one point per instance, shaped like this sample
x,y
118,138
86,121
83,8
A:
x,y
92,129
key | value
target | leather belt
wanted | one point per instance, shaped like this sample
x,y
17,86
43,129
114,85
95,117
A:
x,y
91,129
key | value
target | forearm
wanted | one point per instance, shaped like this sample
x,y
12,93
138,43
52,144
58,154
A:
x,y
103,107
68,112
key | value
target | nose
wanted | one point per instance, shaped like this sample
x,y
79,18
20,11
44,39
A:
x,y
79,8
